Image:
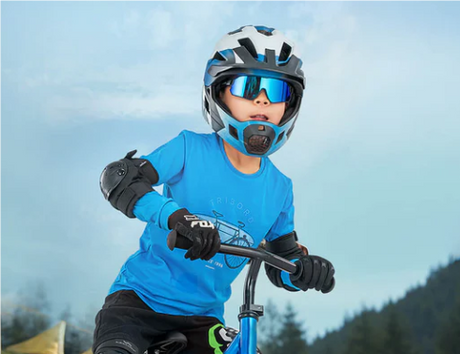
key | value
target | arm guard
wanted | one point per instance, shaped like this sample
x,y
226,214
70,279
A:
x,y
125,181
286,247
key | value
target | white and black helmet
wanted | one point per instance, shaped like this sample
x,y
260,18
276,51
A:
x,y
252,51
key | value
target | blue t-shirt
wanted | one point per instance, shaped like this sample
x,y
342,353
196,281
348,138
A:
x,y
245,208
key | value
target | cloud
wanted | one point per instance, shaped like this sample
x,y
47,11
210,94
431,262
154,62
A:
x,y
129,24
118,105
162,29
325,42
131,21
161,47
154,73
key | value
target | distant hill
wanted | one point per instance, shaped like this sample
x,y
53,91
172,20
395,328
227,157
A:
x,y
425,321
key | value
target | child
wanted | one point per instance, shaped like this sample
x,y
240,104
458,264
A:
x,y
218,187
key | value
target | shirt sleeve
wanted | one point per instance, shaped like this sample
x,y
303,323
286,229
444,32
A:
x,y
169,161
284,224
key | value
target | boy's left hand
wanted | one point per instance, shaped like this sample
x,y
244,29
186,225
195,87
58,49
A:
x,y
314,272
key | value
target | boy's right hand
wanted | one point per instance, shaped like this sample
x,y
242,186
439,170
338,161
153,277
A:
x,y
203,235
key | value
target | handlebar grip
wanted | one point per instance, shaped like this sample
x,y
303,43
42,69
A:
x,y
178,241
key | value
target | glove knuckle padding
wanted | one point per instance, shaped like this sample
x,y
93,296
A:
x,y
315,273
329,282
286,247
214,244
194,252
204,236
329,288
307,275
322,276
208,244
182,230
125,181
204,242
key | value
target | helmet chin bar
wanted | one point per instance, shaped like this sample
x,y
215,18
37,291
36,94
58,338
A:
x,y
252,138
258,138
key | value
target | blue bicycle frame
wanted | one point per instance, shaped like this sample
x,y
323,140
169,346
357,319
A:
x,y
245,341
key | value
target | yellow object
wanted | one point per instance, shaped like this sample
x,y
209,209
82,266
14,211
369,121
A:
x,y
89,351
48,342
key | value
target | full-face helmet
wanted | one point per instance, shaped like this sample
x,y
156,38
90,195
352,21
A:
x,y
253,58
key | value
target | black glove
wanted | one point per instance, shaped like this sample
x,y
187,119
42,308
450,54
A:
x,y
202,233
314,272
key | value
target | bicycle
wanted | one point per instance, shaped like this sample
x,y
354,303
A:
x,y
244,341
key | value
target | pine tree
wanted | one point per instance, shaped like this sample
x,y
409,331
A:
x,y
269,326
28,317
291,338
329,349
448,337
17,328
73,336
396,337
363,338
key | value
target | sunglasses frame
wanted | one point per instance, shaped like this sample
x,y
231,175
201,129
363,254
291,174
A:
x,y
286,86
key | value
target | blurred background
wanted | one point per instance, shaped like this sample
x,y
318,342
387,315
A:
x,y
374,159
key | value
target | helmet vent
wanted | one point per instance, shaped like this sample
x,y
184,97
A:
x,y
279,138
206,104
285,52
233,131
259,144
266,33
219,57
247,43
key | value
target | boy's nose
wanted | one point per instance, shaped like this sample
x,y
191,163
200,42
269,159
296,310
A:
x,y
262,99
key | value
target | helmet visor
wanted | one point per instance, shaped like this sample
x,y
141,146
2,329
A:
x,y
249,87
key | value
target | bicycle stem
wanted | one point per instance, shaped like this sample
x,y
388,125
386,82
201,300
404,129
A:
x,y
249,309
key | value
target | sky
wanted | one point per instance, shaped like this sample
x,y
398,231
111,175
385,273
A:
x,y
374,157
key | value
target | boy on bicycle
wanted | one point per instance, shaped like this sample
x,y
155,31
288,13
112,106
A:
x,y
218,188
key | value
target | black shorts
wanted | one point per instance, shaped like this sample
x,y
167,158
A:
x,y
125,316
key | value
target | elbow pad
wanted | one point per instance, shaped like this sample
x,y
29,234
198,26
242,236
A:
x,y
286,247
125,181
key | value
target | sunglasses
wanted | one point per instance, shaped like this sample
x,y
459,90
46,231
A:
x,y
249,87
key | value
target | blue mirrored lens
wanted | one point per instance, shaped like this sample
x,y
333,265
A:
x,y
249,87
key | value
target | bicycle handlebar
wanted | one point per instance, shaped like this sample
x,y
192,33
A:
x,y
177,241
